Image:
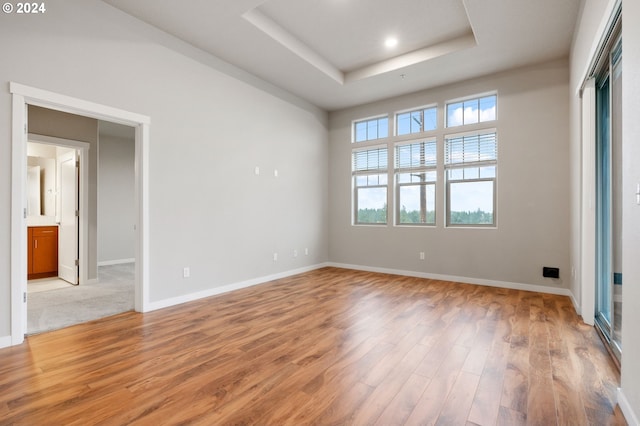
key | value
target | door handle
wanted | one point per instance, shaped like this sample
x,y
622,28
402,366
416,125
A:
x,y
35,243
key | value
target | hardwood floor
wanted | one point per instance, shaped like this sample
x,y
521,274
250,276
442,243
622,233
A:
x,y
331,346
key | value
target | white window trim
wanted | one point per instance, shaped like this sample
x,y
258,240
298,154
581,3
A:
x,y
420,108
468,98
447,181
360,120
425,168
354,187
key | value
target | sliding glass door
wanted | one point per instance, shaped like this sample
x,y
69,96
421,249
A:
x,y
608,198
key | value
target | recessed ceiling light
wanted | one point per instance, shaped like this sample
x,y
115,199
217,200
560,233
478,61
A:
x,y
391,42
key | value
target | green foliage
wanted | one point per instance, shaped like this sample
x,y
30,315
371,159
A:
x,y
372,215
413,216
478,217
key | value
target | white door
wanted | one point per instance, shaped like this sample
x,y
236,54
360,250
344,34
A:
x,y
68,228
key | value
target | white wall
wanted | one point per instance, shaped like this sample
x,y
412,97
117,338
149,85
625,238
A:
x,y
532,188
211,124
116,199
630,209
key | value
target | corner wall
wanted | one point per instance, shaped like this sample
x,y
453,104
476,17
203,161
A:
x,y
116,200
532,187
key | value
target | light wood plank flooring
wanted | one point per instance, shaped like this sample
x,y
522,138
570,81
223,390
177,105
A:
x,y
331,346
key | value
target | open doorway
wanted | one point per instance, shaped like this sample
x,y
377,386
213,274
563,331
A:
x,y
23,97
53,300
53,211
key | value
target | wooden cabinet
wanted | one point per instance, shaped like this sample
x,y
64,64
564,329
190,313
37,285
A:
x,y
43,251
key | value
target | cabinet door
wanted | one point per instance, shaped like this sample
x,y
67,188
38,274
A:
x,y
29,251
45,250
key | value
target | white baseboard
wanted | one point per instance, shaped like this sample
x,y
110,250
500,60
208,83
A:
x,y
116,262
576,305
625,407
466,280
227,288
5,341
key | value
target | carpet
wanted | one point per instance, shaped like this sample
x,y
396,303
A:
x,y
54,309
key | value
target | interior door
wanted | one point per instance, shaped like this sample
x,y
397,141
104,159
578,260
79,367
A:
x,y
68,228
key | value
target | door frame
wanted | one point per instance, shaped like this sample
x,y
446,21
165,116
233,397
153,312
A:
x,y
83,228
22,96
586,93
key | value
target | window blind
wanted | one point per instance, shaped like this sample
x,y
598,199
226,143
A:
x,y
471,148
370,160
416,155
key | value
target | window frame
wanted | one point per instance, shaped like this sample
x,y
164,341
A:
x,y
448,183
377,119
421,110
448,166
423,168
467,99
368,172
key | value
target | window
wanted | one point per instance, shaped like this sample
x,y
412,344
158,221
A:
x,y
415,171
375,128
369,174
406,170
470,111
470,167
421,120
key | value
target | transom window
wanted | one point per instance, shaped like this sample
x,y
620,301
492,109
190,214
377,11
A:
x,y
470,167
417,121
470,111
416,174
367,130
369,173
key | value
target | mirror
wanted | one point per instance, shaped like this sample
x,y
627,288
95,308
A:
x,y
41,181
33,191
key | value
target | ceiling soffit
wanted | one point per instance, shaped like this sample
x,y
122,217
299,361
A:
x,y
345,39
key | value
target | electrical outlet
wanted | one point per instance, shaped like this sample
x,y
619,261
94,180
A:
x,y
295,253
306,252
275,257
256,170
421,255
186,272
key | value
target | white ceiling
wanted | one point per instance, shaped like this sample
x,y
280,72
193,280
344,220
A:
x,y
332,53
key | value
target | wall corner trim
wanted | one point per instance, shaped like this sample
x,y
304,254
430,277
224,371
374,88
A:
x,y
630,416
465,280
5,341
116,262
576,304
165,303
